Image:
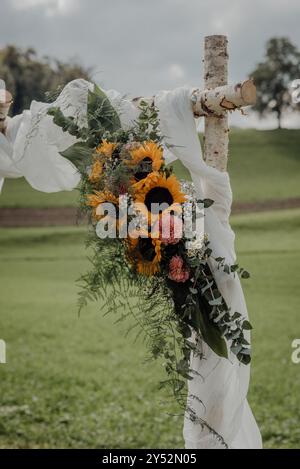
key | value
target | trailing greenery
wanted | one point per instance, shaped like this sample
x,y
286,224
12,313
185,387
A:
x,y
174,307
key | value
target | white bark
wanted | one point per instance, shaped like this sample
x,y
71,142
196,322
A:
x,y
216,128
215,102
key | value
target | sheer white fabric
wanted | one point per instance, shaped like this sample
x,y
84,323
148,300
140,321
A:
x,y
32,142
31,149
220,384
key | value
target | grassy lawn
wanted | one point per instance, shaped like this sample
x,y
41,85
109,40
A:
x,y
18,193
262,164
78,382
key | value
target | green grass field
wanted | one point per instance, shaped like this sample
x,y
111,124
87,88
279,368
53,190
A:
x,y
76,381
262,164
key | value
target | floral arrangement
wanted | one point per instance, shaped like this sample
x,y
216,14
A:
x,y
143,263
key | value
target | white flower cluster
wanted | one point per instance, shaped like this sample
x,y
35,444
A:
x,y
196,247
187,187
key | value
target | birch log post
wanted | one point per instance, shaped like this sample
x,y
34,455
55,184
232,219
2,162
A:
x,y
215,102
216,128
223,98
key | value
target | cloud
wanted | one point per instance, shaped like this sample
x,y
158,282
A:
x,y
140,47
51,7
176,71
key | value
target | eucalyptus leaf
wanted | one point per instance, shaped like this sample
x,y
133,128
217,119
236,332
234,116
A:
x,y
236,349
209,332
206,287
216,301
246,351
245,274
243,358
220,259
207,203
102,116
236,315
79,154
247,325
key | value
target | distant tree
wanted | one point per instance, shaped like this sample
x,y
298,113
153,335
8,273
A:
x,y
274,76
28,77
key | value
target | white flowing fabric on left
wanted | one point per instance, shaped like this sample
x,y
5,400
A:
x,y
32,144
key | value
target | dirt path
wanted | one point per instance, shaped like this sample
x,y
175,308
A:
x,y
265,205
58,216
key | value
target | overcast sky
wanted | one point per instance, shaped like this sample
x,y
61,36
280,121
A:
x,y
141,46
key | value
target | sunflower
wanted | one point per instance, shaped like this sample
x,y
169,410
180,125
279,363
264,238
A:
x,y
160,192
149,154
143,184
144,254
106,148
98,198
97,170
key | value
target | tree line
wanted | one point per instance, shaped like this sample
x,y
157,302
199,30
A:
x,y
29,77
277,79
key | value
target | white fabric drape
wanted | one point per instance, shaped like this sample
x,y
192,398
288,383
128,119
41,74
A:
x,y
220,384
31,149
32,142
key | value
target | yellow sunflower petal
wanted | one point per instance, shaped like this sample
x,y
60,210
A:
x,y
143,184
97,170
100,197
143,265
149,150
160,190
106,148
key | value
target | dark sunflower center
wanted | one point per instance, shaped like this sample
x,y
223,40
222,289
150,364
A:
x,y
158,196
145,168
146,249
115,153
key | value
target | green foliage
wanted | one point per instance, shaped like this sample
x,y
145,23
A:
x,y
166,314
68,124
101,116
102,120
148,305
210,313
77,152
273,77
148,124
211,335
